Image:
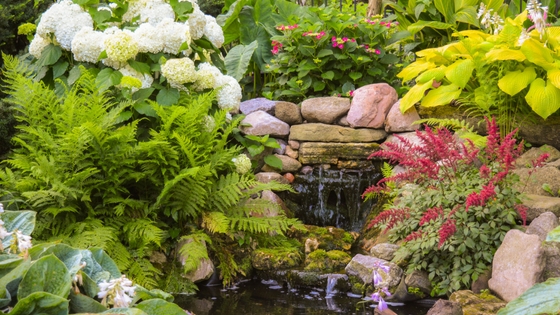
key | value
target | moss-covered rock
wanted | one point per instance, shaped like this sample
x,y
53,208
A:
x,y
477,304
276,258
326,262
328,238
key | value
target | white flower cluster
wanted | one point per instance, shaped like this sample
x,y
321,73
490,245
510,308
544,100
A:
x,y
88,45
173,35
229,93
197,22
179,71
242,163
490,21
214,32
145,79
120,46
206,77
209,123
117,292
63,19
156,11
538,15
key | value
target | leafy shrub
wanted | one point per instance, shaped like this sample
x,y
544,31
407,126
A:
x,y
325,52
451,214
93,183
58,279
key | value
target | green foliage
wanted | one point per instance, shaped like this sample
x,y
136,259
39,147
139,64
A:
x,y
323,52
461,128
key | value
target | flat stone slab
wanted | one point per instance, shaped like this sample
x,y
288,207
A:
x,y
538,205
330,152
324,109
316,132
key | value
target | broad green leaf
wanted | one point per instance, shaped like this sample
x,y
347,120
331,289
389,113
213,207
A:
x,y
318,86
168,96
273,161
71,257
238,59
493,4
435,73
8,263
47,274
447,9
329,75
460,72
414,69
420,25
142,94
482,98
41,303
542,298
10,281
544,98
414,95
59,68
443,95
107,78
141,67
160,307
474,34
505,54
143,294
554,77
80,303
124,311
324,52
145,108
467,15
538,54
49,55
515,81
104,263
99,16
263,12
74,74
23,221
355,75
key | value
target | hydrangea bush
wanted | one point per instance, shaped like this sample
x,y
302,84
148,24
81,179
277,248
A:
x,y
145,48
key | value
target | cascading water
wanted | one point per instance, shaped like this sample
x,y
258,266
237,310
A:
x,y
332,197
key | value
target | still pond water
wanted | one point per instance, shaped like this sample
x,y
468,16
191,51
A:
x,y
257,298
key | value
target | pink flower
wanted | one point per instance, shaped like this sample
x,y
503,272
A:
x,y
353,40
446,230
276,47
344,39
377,52
340,46
321,34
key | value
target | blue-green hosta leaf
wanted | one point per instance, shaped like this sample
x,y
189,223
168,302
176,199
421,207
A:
x,y
144,294
515,81
160,307
435,73
23,221
80,303
443,95
414,95
505,54
460,72
543,97
10,281
47,274
238,58
41,303
124,311
542,298
554,235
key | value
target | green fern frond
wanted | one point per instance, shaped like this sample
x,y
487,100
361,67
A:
x,y
142,231
142,271
215,222
193,250
451,123
386,170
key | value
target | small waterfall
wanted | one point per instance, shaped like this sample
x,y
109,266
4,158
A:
x,y
331,283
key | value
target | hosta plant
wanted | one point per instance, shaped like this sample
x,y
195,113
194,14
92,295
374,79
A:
x,y
58,279
453,204
513,71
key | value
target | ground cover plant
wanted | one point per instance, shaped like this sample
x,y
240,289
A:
x,y
453,204
93,182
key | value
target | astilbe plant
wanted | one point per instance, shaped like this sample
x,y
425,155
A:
x,y
453,203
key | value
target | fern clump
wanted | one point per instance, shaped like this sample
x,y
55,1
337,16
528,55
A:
x,y
81,164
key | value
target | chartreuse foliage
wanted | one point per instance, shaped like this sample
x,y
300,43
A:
x,y
94,184
502,75
59,279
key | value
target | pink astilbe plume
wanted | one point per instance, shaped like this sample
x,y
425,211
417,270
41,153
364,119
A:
x,y
446,230
522,211
391,217
431,214
504,151
479,199
414,236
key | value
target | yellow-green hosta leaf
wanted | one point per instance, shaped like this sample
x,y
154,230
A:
x,y
538,54
414,95
544,98
460,72
505,54
515,81
521,18
510,33
418,26
554,77
442,95
436,74
414,69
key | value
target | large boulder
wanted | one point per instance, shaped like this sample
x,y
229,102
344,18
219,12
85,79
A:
x,y
445,307
543,224
325,110
261,123
517,266
538,205
396,121
531,181
205,267
288,112
384,251
289,165
361,269
526,159
479,304
275,258
332,133
267,177
370,105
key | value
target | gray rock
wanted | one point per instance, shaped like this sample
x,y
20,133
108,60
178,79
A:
x,y
291,152
533,183
327,152
384,251
263,123
517,266
474,304
343,121
354,164
277,205
324,109
401,293
543,224
481,283
306,170
399,122
526,159
361,267
282,148
332,133
205,267
445,307
370,105
289,165
267,177
552,261
294,144
538,205
419,279
253,105
288,112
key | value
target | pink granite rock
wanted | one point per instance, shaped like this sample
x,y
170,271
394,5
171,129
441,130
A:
x,y
396,121
370,105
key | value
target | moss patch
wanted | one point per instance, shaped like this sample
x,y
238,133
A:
x,y
276,258
326,262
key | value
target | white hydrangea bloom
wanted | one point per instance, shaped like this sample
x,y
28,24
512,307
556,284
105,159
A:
x,y
206,77
242,164
145,78
88,45
197,22
214,32
117,292
134,9
229,93
173,35
120,46
155,11
37,45
148,39
179,71
64,19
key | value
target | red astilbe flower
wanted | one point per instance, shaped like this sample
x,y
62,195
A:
x,y
504,151
522,211
539,162
414,236
391,217
431,214
447,229
479,199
